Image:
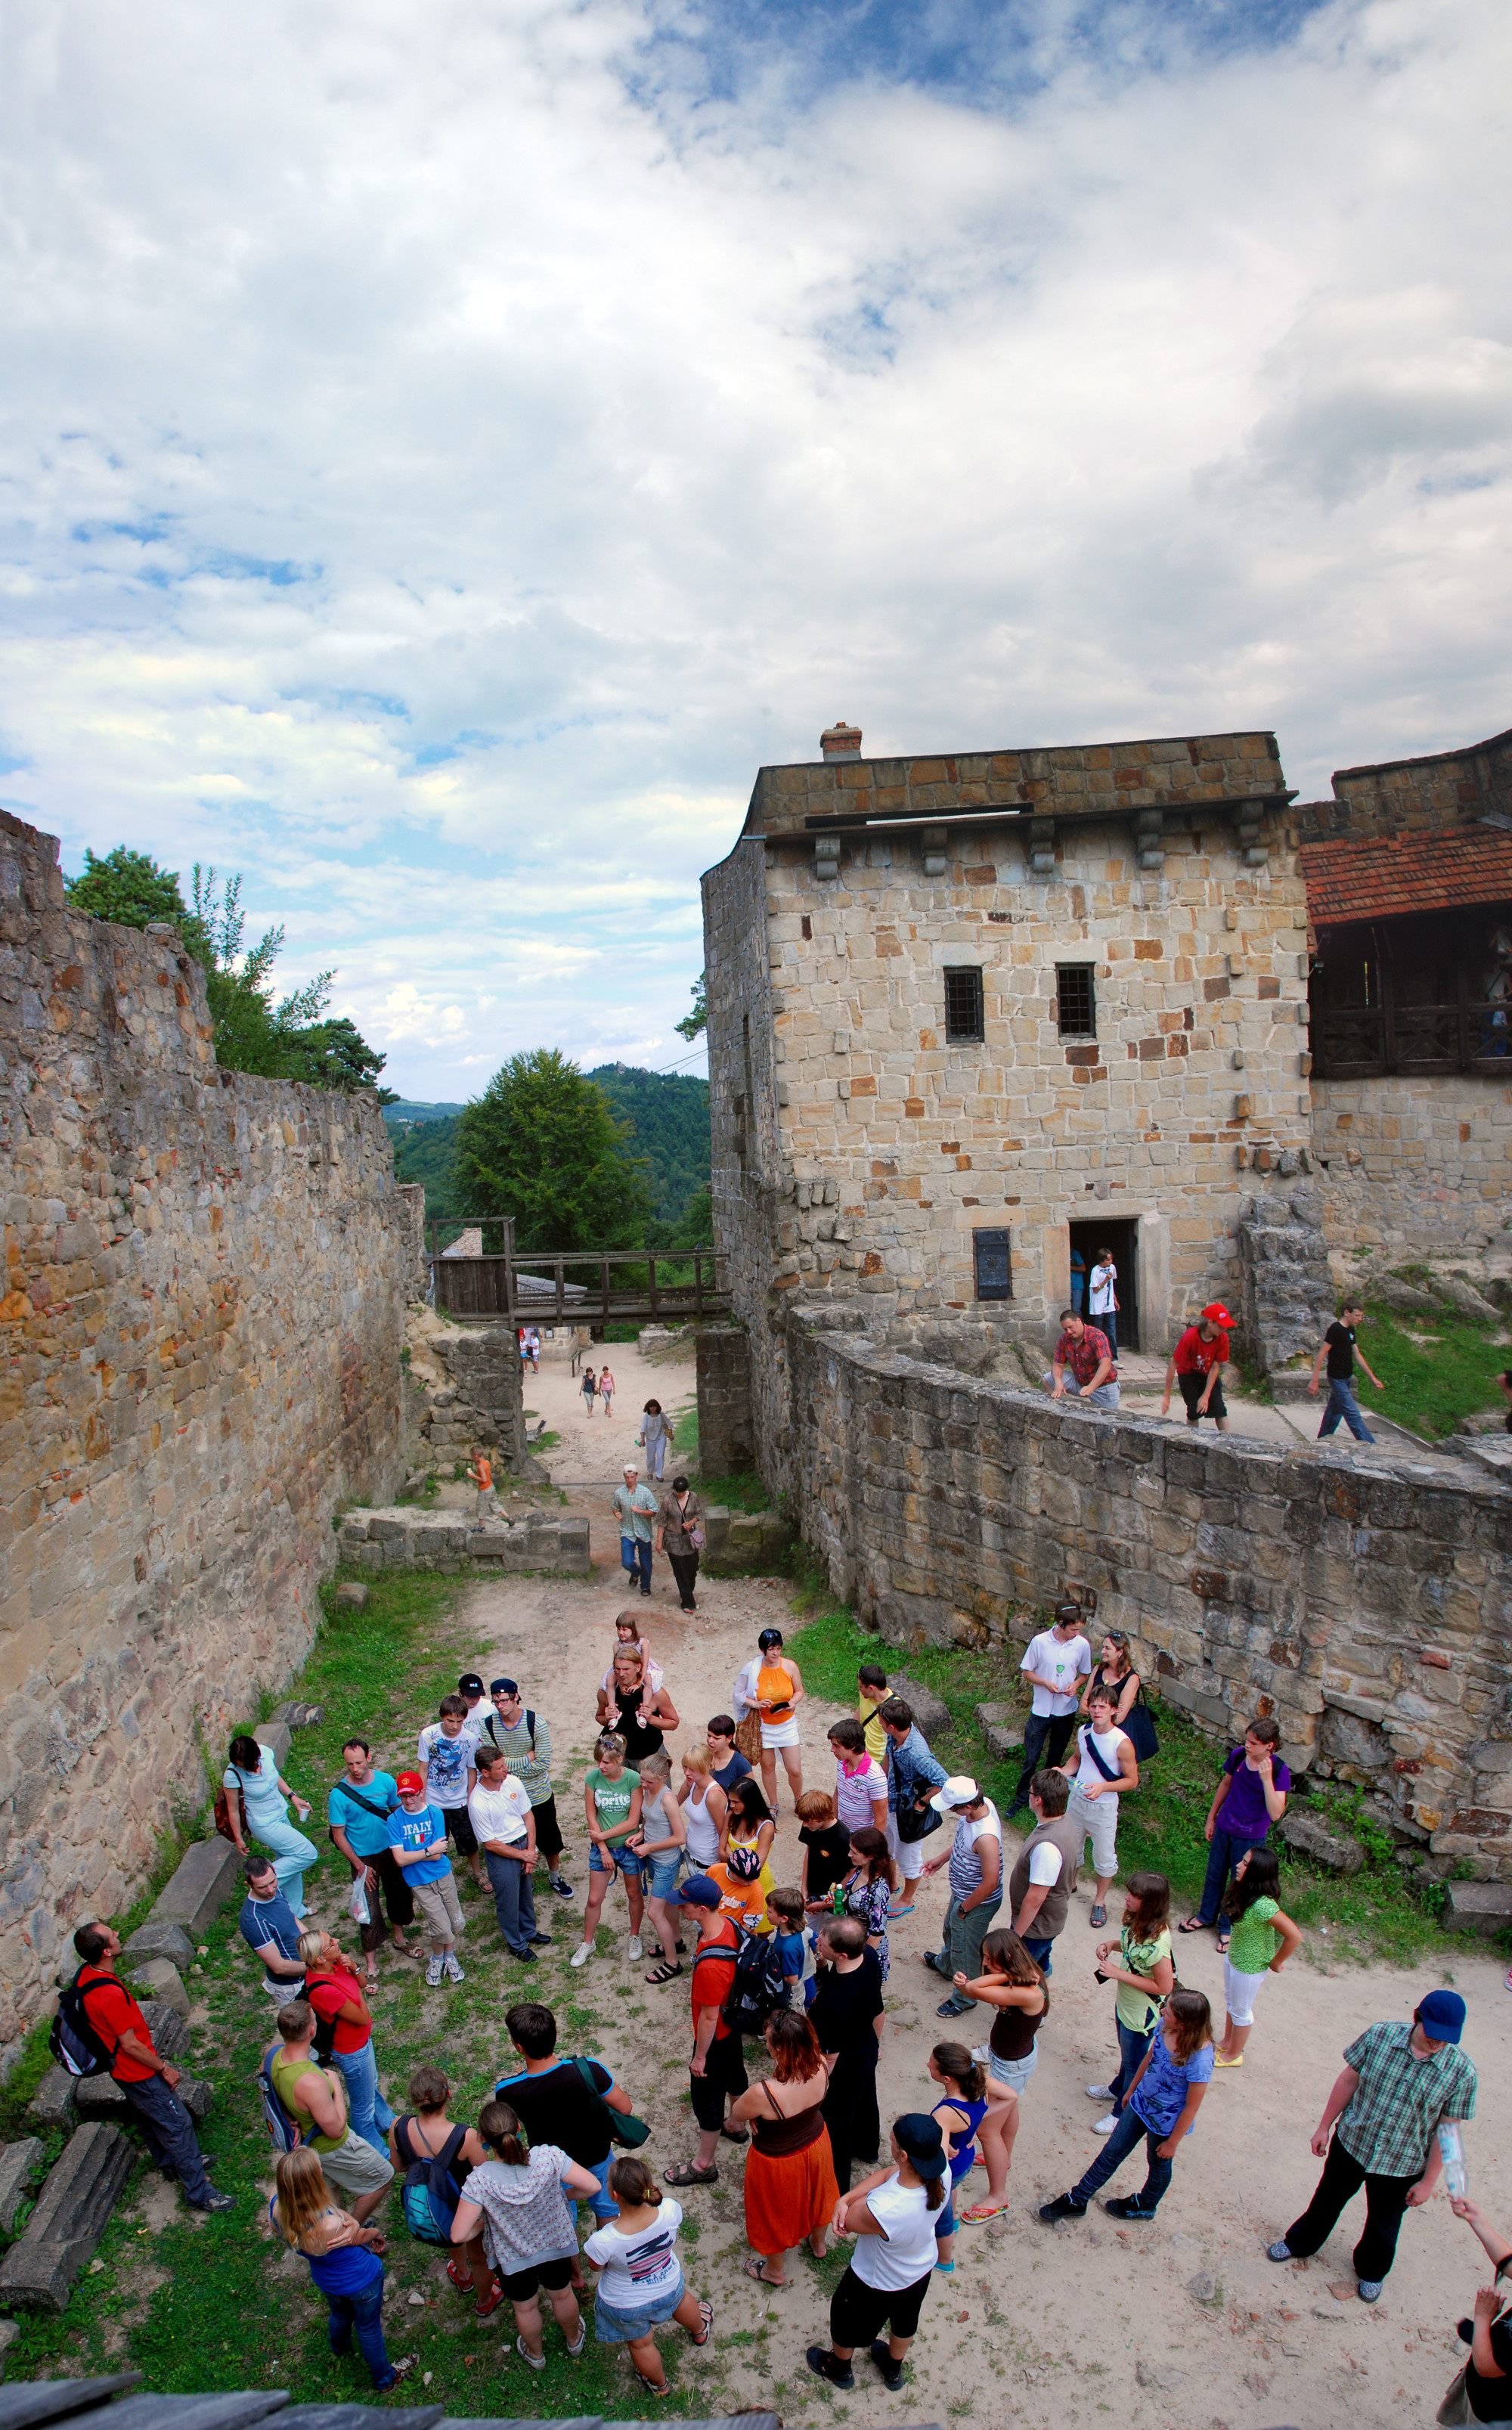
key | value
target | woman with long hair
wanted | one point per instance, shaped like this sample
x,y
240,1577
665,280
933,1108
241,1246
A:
x,y
891,2215
963,2082
868,1886
790,2190
1144,1974
1014,1987
750,1827
1260,1942
1114,1670
255,1786
1164,2100
703,1805
659,1844
343,2254
517,2201
655,1435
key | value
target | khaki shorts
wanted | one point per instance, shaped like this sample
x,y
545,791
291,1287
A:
x,y
441,1907
355,2167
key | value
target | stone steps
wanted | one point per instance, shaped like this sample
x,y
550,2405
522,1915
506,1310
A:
x,y
403,1538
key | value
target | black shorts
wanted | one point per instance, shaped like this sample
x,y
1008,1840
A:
x,y
461,1829
521,2284
548,1832
723,2074
858,2313
1192,1388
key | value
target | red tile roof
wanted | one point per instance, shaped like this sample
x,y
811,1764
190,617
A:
x,y
1381,877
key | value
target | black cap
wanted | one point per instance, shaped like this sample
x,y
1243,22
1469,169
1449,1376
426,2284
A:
x,y
470,1684
503,1688
920,2138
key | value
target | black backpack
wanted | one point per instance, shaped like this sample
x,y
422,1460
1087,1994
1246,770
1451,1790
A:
x,y
431,2190
760,1988
73,2041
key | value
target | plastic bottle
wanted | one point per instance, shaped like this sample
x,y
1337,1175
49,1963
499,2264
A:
x,y
1453,2152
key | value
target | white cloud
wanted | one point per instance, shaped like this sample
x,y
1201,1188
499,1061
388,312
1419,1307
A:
x,y
447,453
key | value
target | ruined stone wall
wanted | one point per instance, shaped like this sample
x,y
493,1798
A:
x,y
201,1337
1420,1165
1414,797
1370,1611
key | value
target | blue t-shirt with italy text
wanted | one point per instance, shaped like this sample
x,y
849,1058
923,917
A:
x,y
410,1831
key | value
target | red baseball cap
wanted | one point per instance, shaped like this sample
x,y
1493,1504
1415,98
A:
x,y
408,1783
1218,1314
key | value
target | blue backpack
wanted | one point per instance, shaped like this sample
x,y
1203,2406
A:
x,y
431,2191
284,2130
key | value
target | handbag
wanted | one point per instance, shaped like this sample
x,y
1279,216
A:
x,y
917,1819
1139,1729
1456,2406
223,1812
695,1537
628,2128
748,1738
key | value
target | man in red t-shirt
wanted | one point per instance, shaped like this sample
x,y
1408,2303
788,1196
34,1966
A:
x,y
1194,1364
146,2080
716,2070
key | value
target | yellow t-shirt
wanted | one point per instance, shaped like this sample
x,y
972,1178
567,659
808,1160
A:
x,y
877,1736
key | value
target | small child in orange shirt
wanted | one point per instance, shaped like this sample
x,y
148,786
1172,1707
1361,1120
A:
x,y
481,1475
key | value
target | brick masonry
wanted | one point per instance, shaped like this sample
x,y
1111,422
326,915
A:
x,y
201,1330
1369,1610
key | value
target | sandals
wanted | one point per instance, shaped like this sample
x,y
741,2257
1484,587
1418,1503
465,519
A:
x,y
736,2134
754,2267
461,2279
1098,1918
1194,1924
490,2304
705,2313
657,2387
683,2172
663,1974
982,2211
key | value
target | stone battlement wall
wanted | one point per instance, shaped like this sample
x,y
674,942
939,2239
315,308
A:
x,y
1371,1610
201,1332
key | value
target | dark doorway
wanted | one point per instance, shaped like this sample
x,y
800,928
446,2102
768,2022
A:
x,y
1121,1238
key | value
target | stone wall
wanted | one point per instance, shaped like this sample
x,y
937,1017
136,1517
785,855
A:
x,y
201,1334
726,1439
1371,1610
1418,1165
1415,796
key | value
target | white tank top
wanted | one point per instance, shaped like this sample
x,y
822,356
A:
x,y
1107,1747
703,1834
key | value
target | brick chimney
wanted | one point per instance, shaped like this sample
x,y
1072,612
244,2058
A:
x,y
840,741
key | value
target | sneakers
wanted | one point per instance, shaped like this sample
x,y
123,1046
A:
x,y
540,1940
1126,2206
581,1954
891,2371
451,1969
1371,2289
635,1950
1062,2207
582,2340
563,1886
825,2365
1280,2250
952,2007
526,1957
1106,2126
215,2199
433,1972
1100,2093
537,2362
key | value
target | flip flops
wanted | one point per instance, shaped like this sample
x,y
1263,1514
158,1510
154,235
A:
x,y
982,2211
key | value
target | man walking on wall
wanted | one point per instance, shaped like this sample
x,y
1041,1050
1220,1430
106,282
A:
x,y
1194,1364
1339,1347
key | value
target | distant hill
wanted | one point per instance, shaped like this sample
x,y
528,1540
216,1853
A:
x,y
668,1112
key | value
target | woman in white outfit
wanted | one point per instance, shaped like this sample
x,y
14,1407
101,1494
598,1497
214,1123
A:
x,y
771,1688
1105,1768
703,1806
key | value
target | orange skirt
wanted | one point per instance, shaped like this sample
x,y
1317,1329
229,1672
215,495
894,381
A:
x,y
790,2198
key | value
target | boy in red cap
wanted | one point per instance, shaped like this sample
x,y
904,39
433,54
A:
x,y
1194,1365
417,1835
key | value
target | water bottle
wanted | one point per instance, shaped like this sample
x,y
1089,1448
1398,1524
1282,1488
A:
x,y
1453,2152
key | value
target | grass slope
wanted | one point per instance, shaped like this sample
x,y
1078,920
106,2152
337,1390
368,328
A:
x,y
1451,1372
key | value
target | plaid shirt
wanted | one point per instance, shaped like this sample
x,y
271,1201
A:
x,y
1083,1357
1389,2126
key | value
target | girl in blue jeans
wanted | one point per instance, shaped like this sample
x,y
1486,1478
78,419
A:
x,y
1164,2100
343,2261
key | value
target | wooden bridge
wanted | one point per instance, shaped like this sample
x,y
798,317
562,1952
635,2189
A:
x,y
574,1285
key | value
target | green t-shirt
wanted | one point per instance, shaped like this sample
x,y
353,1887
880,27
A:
x,y
1135,2009
612,1799
1255,1940
286,2074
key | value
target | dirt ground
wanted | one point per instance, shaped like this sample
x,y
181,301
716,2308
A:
x,y
1036,2326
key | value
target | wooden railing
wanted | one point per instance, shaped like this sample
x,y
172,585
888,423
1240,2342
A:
x,y
575,1286
1355,1041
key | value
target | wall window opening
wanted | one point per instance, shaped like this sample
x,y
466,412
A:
x,y
1076,1003
963,1008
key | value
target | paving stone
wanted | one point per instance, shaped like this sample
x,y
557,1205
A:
x,y
1477,1906
208,1875
19,2163
81,2191
52,2104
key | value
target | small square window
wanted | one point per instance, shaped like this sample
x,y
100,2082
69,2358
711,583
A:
x,y
995,1267
1075,1004
963,1008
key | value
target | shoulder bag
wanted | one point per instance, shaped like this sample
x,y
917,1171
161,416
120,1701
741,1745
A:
x,y
624,2127
1139,1728
223,1811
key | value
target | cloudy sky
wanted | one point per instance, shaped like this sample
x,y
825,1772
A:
x,y
449,445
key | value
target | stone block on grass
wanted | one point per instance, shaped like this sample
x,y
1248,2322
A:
x,y
1313,1838
159,1937
70,2219
168,2027
351,1597
52,2104
932,1715
717,1533
1477,1906
19,2163
157,1979
208,1876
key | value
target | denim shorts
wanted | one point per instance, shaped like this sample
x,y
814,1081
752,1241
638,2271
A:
x,y
623,1860
603,2204
1014,2072
662,1873
945,2220
613,2328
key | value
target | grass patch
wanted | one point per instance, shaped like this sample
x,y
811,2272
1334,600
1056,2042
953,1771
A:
x,y
1429,1391
214,2304
1371,1916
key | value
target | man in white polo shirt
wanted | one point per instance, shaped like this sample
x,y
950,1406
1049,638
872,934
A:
x,y
1053,1663
504,1824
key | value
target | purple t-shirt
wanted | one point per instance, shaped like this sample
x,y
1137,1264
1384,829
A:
x,y
1243,1811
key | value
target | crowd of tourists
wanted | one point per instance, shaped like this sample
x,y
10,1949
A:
x,y
783,1934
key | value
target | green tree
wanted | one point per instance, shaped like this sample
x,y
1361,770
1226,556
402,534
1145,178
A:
x,y
542,1144
693,1023
128,887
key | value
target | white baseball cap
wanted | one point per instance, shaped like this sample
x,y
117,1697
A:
x,y
960,1789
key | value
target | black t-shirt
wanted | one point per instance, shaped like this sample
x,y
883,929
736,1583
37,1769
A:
x,y
1340,1340
845,2005
829,1857
729,1773
557,2106
638,1739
